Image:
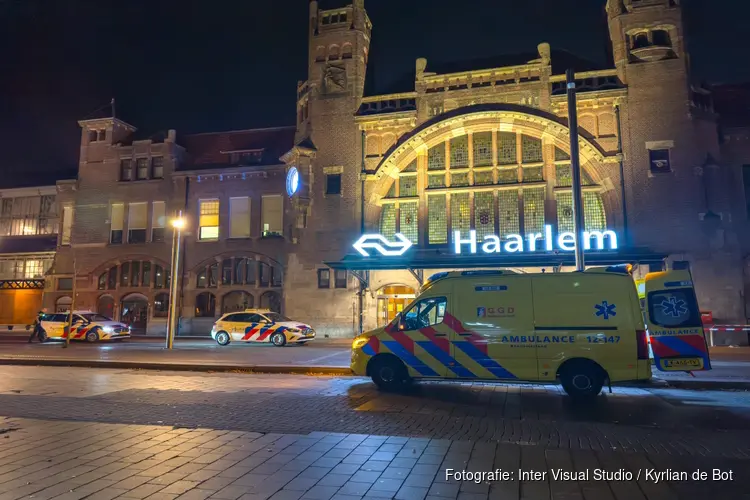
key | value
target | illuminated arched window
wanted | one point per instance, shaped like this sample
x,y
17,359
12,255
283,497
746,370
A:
x,y
489,182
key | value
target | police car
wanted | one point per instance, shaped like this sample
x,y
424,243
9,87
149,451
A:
x,y
260,325
87,325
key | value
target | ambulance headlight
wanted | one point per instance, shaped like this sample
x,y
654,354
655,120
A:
x,y
359,342
108,329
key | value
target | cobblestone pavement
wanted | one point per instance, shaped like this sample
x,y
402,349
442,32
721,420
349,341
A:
x,y
90,433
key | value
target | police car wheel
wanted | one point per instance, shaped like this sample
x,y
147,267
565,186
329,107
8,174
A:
x,y
389,373
582,380
92,336
222,338
278,339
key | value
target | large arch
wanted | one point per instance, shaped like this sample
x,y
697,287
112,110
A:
x,y
485,118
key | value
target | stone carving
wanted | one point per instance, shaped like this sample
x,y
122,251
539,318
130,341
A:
x,y
421,67
544,53
334,79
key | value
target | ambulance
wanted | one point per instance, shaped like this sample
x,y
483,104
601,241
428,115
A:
x,y
86,325
580,329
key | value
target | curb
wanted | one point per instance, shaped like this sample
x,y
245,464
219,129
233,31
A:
x,y
702,385
132,365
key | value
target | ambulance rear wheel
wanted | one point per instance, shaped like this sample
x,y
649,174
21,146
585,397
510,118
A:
x,y
389,373
582,379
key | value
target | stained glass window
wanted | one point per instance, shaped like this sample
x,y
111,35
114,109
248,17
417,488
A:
x,y
411,167
484,214
508,211
561,155
437,220
460,213
564,212
531,149
388,221
436,180
506,148
436,157
483,178
563,176
407,185
593,212
460,152
482,149
533,174
507,176
533,210
460,179
409,221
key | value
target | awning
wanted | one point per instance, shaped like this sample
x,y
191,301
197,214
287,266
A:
x,y
437,259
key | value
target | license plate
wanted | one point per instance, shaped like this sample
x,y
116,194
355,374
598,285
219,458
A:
x,y
682,364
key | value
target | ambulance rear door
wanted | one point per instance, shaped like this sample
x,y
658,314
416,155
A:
x,y
674,323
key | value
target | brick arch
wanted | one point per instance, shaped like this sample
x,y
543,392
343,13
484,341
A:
x,y
97,271
240,254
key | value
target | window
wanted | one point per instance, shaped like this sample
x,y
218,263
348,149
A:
x,y
161,305
112,278
67,225
674,308
126,169
141,172
276,276
251,272
158,221
437,220
425,313
640,40
213,275
64,283
117,214
533,210
264,274
157,167
102,282
146,273
460,213
659,161
160,277
101,135
28,215
92,135
661,38
339,278
226,272
209,220
271,208
125,274
239,217
205,305
135,273
333,184
137,217
324,278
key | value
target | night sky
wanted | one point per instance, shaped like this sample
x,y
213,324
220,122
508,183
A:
x,y
209,65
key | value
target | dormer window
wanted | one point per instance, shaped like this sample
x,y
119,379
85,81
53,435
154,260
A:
x,y
661,38
101,135
92,135
640,40
249,157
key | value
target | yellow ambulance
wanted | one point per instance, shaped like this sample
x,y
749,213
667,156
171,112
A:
x,y
582,329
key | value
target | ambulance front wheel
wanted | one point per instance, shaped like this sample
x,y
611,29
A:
x,y
582,379
388,373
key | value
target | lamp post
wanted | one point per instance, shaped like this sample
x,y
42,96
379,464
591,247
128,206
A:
x,y
177,225
72,308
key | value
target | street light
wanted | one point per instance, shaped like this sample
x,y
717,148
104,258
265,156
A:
x,y
177,224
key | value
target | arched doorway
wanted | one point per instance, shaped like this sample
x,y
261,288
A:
x,y
272,301
63,304
106,306
392,299
134,312
236,301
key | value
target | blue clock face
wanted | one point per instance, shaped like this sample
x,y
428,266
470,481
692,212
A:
x,y
292,181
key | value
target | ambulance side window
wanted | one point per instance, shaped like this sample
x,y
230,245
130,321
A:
x,y
674,308
426,312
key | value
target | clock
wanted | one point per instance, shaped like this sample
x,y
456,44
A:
x,y
292,181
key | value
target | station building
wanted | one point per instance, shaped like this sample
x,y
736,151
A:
x,y
476,151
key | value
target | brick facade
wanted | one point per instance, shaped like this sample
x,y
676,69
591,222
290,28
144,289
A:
x,y
349,147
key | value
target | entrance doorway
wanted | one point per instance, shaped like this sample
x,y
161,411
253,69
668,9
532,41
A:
x,y
134,312
106,306
392,300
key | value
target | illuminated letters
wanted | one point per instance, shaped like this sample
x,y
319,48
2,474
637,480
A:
x,y
472,241
511,243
